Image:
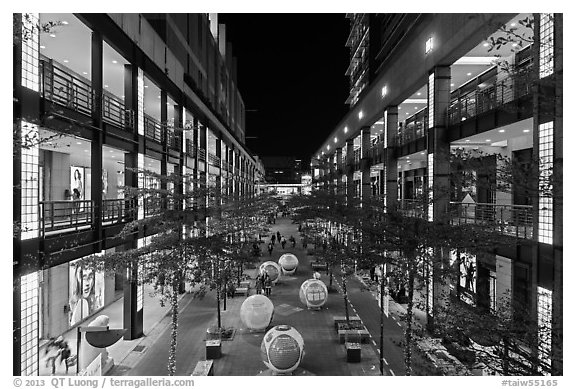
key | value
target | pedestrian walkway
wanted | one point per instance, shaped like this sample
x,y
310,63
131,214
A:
x,y
324,355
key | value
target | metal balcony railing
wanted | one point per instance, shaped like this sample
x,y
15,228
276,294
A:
x,y
201,154
213,160
118,210
65,215
152,206
191,148
114,112
514,220
488,97
64,88
152,129
412,208
413,128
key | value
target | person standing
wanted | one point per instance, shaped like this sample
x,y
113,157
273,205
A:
x,y
278,236
259,284
273,239
283,241
293,241
270,248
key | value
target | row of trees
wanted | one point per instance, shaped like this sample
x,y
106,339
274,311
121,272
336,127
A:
x,y
427,257
198,237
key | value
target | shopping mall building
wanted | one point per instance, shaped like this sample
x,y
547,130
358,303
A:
x,y
98,97
424,87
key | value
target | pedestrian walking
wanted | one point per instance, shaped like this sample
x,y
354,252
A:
x,y
278,236
304,242
268,284
270,248
283,241
293,241
273,239
259,285
324,245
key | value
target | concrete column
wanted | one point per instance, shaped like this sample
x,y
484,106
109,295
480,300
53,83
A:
x,y
339,167
438,178
349,170
366,191
391,165
97,74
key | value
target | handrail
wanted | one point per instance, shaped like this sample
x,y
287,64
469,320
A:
x,y
114,111
65,214
509,219
213,159
491,96
152,129
118,210
64,88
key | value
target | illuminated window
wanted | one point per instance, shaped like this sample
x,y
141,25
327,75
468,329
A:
x,y
429,45
430,187
29,181
431,100
545,205
544,326
546,45
140,101
30,46
29,324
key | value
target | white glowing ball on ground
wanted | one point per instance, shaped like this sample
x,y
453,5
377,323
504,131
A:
x,y
256,312
282,349
273,270
313,293
316,275
288,262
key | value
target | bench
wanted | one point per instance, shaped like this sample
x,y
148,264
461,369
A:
x,y
204,368
342,319
241,291
245,284
319,266
353,336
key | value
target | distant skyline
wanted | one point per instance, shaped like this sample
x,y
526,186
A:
x,y
291,77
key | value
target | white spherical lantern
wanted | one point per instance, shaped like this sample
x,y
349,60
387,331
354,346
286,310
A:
x,y
273,270
256,312
313,293
288,262
282,349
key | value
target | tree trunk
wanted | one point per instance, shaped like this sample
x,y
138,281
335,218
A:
x,y
218,305
409,321
345,298
174,332
331,277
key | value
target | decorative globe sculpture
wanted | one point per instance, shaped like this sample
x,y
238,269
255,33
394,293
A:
x,y
273,270
313,293
282,349
256,312
316,275
288,262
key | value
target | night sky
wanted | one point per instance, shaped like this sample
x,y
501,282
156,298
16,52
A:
x,y
291,73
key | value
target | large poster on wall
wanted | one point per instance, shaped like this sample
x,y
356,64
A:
x,y
86,291
77,182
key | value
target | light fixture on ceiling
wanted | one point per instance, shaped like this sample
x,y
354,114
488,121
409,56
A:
x,y
158,96
501,130
418,94
328,147
513,25
52,35
114,61
451,84
42,46
345,129
488,140
105,86
422,153
467,140
66,61
64,22
514,44
384,90
526,131
84,73
486,44
468,74
335,139
416,107
78,143
360,115
429,45
85,151
145,86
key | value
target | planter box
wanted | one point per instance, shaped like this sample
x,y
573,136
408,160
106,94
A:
x,y
204,368
353,352
213,349
353,336
241,292
342,319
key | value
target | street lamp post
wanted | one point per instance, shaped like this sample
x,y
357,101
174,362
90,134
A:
x,y
97,336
